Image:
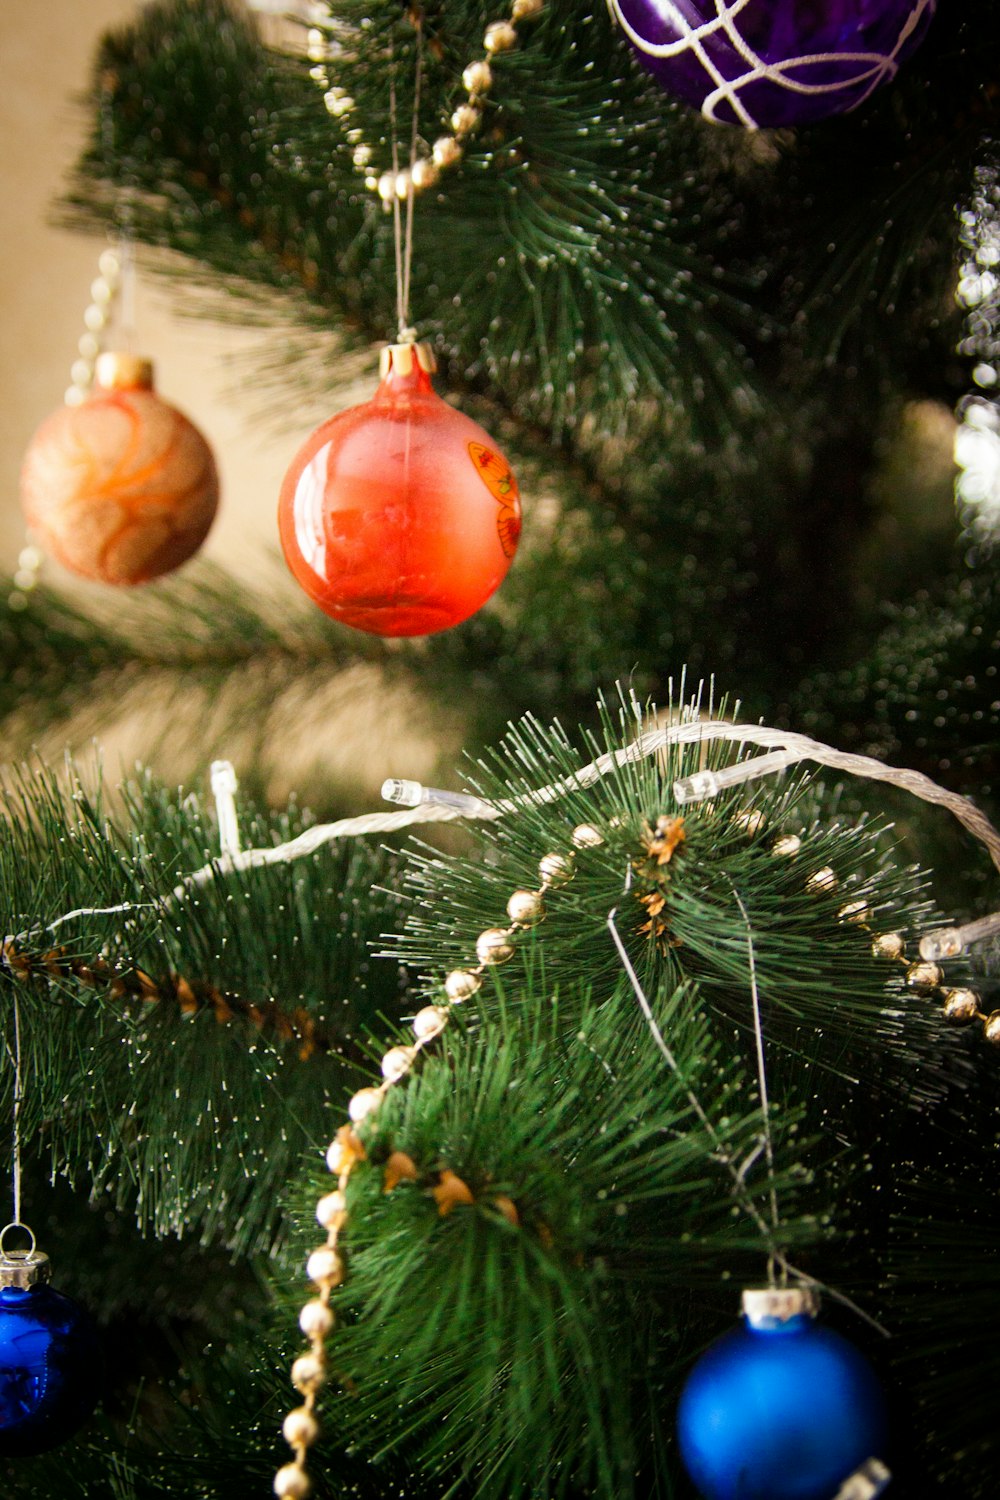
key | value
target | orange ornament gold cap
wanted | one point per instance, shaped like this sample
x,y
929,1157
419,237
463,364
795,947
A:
x,y
116,370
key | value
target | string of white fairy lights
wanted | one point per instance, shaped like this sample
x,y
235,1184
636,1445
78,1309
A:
x,y
329,39
420,804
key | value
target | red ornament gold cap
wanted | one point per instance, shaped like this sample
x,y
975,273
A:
x,y
115,370
767,1305
401,358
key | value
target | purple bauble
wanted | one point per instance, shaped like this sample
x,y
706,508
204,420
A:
x,y
773,62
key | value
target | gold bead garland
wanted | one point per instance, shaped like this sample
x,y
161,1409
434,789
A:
x,y
477,80
326,1266
961,1004
103,291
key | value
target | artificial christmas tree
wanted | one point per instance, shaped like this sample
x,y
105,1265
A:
x,y
630,1034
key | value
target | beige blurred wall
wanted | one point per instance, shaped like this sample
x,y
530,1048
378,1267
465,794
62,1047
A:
x,y
46,51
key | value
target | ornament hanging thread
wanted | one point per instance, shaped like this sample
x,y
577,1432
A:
x,y
400,517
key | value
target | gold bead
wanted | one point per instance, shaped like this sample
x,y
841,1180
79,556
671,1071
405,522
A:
x,y
446,151
430,1022
526,907
292,1483
461,985
326,1266
308,1373
854,911
526,10
961,1005
500,37
300,1428
110,264
477,78
424,174
586,836
822,880
338,103
787,846
316,1319
402,186
397,1062
343,1151
888,945
991,1031
361,156
387,187
924,976
494,946
750,820
331,1210
364,1103
465,119
555,869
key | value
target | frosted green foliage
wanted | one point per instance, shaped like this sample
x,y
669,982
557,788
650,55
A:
x,y
541,1358
824,994
538,1357
181,1054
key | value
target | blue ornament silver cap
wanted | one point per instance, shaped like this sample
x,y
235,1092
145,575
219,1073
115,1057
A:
x,y
769,1306
24,1268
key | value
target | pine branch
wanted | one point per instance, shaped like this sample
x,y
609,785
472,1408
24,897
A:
x,y
196,668
554,1250
682,917
649,243
235,180
223,1096
820,968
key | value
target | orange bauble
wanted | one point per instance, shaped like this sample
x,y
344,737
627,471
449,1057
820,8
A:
x,y
399,516
121,488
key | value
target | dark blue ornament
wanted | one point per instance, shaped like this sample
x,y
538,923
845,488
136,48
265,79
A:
x,y
773,62
50,1360
781,1408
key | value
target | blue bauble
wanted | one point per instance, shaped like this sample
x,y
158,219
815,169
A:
x,y
779,1409
773,62
50,1367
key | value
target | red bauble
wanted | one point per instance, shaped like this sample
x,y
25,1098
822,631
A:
x,y
121,488
399,516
